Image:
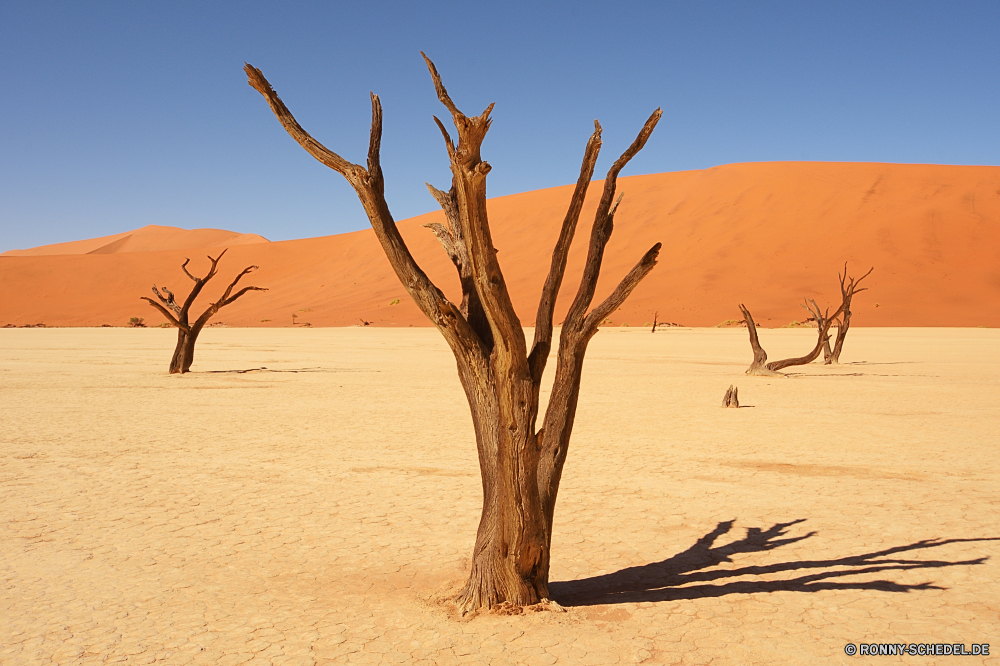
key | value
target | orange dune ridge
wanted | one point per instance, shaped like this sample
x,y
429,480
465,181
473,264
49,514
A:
x,y
151,238
764,234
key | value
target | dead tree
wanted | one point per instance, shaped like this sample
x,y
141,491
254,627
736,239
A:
x,y
848,287
760,366
187,333
520,465
816,315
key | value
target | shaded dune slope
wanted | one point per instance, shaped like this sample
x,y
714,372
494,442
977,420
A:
x,y
765,234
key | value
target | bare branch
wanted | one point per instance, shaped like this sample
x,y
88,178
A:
x,y
625,287
614,206
166,313
440,89
225,300
547,302
331,159
758,366
199,283
448,242
241,292
453,241
604,225
186,272
471,131
374,146
449,205
469,185
848,288
814,310
215,264
167,300
369,189
447,138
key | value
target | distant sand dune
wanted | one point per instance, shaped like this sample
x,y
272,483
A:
x,y
765,234
151,238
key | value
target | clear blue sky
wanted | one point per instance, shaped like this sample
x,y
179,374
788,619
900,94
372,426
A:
x,y
117,115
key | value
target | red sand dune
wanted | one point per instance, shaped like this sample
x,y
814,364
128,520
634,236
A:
x,y
765,234
151,238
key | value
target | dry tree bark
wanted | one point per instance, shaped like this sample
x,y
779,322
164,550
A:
x,y
520,465
177,315
848,287
760,366
732,397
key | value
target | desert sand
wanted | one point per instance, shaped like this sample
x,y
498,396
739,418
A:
x,y
151,238
310,496
767,235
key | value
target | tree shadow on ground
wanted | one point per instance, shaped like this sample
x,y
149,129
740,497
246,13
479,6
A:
x,y
689,575
265,369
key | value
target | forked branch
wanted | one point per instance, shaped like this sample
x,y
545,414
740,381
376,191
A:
x,y
369,186
167,300
469,185
174,321
331,159
553,281
622,291
604,225
848,288
471,130
226,300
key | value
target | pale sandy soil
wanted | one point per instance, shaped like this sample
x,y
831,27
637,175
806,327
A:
x,y
316,512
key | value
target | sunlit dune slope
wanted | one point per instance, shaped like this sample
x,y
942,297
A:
x,y
764,234
151,238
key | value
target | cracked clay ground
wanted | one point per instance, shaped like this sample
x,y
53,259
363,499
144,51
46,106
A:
x,y
320,516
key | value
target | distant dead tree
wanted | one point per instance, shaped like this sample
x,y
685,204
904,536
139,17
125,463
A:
x,y
520,465
848,288
760,366
187,333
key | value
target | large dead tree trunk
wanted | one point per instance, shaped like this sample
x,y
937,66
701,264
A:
x,y
520,465
760,366
848,287
178,315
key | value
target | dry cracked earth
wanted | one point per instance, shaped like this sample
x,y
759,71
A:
x,y
311,497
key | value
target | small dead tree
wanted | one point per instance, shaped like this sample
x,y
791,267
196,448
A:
x,y
520,465
848,287
760,366
177,315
